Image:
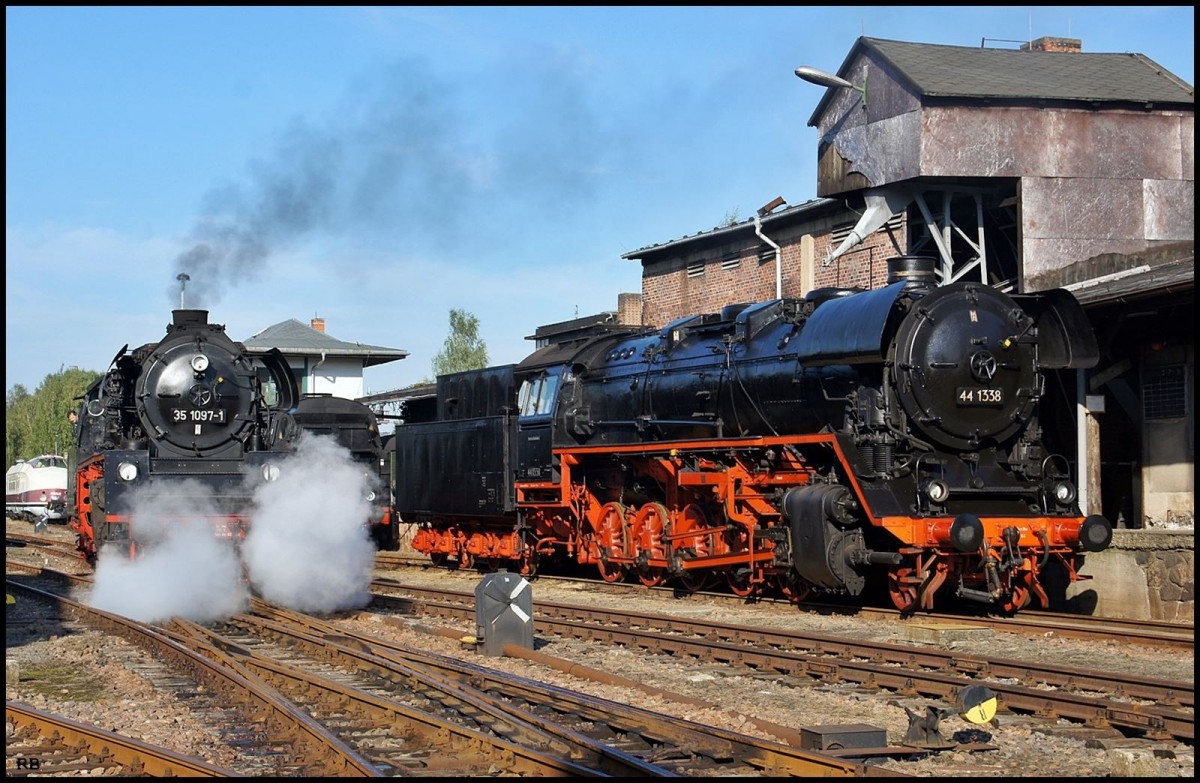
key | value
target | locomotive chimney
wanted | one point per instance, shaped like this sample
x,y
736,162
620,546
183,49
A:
x,y
318,324
185,318
913,271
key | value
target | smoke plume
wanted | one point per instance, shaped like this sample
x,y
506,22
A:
x,y
400,156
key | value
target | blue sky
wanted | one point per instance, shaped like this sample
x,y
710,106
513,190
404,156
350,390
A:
x,y
379,166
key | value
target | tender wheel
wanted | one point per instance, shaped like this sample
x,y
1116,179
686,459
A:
x,y
439,559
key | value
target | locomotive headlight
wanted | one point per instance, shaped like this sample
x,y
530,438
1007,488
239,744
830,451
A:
x,y
370,496
199,362
127,471
1063,492
936,491
270,472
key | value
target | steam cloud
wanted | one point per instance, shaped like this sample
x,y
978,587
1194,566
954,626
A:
x,y
184,570
400,155
308,546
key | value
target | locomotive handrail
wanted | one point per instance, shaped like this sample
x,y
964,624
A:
x,y
641,424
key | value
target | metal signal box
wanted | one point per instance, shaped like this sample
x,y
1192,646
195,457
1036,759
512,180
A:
x,y
503,612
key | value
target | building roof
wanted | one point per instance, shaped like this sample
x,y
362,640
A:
x,y
294,338
937,71
419,391
1173,276
813,208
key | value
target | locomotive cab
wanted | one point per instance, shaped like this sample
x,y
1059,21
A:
x,y
535,415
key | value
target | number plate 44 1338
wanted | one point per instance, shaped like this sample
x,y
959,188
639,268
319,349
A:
x,y
976,395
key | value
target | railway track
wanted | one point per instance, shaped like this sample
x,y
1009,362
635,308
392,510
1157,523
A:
x,y
1144,632
1044,624
616,738
44,745
270,735
1151,708
381,709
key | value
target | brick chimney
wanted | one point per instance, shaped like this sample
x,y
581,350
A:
x,y
319,325
629,309
1053,44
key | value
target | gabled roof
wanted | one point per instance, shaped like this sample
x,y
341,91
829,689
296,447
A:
x,y
938,71
297,339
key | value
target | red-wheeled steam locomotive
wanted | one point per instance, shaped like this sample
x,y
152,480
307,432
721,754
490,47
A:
x,y
808,445
191,417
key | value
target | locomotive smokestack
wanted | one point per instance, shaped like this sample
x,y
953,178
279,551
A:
x,y
189,318
914,271
182,277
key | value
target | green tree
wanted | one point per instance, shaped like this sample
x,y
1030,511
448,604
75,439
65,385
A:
x,y
463,349
731,218
37,423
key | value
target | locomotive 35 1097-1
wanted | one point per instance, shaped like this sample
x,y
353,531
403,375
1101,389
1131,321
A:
x,y
803,444
190,417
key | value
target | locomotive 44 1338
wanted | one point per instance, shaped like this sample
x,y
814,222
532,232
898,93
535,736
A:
x,y
803,444
189,417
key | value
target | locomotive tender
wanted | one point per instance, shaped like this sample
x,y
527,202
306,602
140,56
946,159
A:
x,y
189,416
798,444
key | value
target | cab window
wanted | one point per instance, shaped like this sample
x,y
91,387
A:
x,y
536,397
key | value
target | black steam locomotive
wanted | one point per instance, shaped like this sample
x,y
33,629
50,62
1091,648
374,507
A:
x,y
799,444
192,418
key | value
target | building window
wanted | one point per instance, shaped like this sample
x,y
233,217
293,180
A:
x,y
1163,393
695,269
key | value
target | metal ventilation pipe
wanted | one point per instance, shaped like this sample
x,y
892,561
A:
x,y
777,202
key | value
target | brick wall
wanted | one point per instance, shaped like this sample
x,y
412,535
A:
x,y
737,273
629,309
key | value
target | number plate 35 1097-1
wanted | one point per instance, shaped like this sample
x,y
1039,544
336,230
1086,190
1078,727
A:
x,y
976,395
198,415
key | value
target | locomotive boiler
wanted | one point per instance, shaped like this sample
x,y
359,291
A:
x,y
815,444
190,419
